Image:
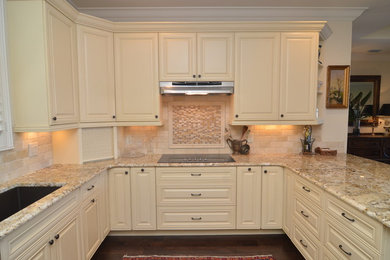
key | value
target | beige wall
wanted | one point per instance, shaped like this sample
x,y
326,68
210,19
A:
x,y
17,162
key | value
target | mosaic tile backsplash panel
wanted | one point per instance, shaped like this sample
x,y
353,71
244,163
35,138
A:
x,y
196,125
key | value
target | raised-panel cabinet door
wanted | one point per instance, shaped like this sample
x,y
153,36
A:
x,y
96,74
143,198
272,197
215,56
177,56
41,251
256,94
104,217
288,211
68,244
119,198
62,67
298,79
136,77
90,225
248,197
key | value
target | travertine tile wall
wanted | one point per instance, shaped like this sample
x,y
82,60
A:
x,y
135,141
17,162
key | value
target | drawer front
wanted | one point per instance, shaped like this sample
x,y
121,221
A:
x,y
308,214
196,195
363,226
343,245
308,191
90,187
171,175
309,246
174,218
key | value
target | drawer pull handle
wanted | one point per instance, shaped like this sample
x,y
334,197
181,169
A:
x,y
90,188
303,214
198,218
57,236
196,174
305,189
345,216
303,244
196,194
345,252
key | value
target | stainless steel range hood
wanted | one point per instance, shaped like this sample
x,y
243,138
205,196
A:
x,y
196,87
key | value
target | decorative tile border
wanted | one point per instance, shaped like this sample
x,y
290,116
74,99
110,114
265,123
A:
x,y
196,125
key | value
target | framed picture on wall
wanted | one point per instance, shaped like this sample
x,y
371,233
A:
x,y
337,89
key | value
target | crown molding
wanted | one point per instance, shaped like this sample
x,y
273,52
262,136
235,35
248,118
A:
x,y
169,14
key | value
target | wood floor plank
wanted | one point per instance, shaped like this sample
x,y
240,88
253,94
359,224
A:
x,y
114,247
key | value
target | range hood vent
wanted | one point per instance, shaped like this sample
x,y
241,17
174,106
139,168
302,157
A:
x,y
196,87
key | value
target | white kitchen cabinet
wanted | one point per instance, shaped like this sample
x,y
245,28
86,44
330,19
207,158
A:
x,y
96,74
90,225
248,197
42,48
272,197
256,87
298,76
136,78
288,194
119,198
143,198
196,56
103,206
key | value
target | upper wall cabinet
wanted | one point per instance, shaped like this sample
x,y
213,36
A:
x,y
136,78
276,75
196,56
43,66
96,74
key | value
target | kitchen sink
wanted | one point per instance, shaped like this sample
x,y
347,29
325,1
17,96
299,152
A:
x,y
17,198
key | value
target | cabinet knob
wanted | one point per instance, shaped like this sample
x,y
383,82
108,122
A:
x,y
281,115
51,242
199,76
265,171
126,172
93,200
194,76
249,169
142,170
114,116
236,116
57,236
156,116
54,118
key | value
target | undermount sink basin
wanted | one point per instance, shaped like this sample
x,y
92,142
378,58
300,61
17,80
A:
x,y
17,198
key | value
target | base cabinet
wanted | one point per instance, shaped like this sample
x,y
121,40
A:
x,y
90,224
67,241
272,197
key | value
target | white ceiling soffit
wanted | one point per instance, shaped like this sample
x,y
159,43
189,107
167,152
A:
x,y
164,14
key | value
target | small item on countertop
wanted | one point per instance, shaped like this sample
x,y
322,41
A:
x,y
325,151
236,145
244,130
307,142
245,149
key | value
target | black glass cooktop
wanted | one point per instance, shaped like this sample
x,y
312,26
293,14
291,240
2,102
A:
x,y
195,158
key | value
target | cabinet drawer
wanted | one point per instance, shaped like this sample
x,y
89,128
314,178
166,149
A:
x,y
363,226
196,195
308,191
218,217
343,245
196,175
308,214
90,187
309,246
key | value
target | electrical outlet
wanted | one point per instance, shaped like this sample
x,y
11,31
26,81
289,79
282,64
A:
x,y
32,149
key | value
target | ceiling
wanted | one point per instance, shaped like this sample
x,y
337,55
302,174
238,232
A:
x,y
371,30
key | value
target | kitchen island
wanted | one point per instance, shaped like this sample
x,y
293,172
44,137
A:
x,y
360,183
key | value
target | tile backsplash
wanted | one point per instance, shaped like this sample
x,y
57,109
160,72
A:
x,y
22,160
135,141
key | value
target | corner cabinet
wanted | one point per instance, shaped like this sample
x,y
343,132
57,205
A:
x,y
196,56
43,67
96,74
276,77
136,78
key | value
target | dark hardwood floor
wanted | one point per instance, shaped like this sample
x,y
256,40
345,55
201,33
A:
x,y
114,247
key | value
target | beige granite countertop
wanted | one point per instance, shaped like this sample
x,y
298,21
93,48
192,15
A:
x,y
362,183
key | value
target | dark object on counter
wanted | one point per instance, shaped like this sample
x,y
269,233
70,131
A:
x,y
245,149
325,151
236,145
